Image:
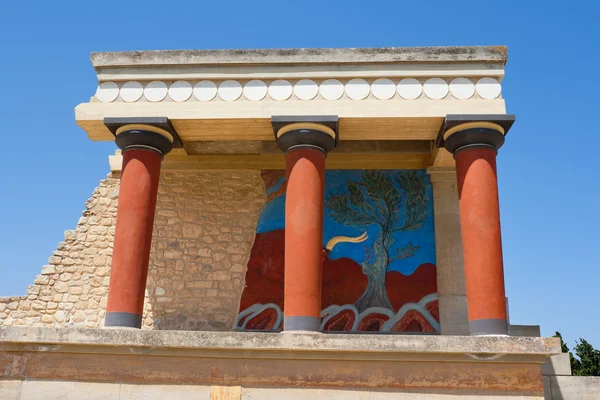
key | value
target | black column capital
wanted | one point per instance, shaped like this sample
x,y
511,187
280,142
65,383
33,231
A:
x,y
155,134
319,132
460,131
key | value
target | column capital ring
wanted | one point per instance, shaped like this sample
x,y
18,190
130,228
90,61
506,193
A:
x,y
318,132
154,134
463,131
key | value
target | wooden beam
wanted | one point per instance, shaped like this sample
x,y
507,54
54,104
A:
x,y
277,162
368,119
191,130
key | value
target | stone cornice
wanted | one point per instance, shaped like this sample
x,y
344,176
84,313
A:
x,y
485,54
378,94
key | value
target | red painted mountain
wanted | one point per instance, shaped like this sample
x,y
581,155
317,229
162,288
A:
x,y
402,289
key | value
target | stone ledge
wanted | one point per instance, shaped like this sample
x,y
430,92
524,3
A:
x,y
277,345
490,364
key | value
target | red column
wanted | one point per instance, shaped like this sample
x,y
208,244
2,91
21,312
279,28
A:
x,y
482,244
133,236
303,238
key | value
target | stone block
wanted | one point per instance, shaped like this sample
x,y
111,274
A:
x,y
192,230
47,319
161,392
57,390
42,280
61,287
453,310
524,330
48,270
9,390
559,364
574,387
225,392
547,388
59,316
33,290
455,329
173,254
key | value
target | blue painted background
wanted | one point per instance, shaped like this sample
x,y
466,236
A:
x,y
273,217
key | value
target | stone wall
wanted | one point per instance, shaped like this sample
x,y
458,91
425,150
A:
x,y
204,229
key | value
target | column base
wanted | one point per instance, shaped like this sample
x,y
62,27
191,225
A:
x,y
306,324
122,320
489,327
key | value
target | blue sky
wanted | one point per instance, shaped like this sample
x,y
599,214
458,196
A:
x,y
548,169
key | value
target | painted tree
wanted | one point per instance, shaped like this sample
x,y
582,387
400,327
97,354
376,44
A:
x,y
376,200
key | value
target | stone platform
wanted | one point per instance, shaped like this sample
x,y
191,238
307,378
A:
x,y
48,363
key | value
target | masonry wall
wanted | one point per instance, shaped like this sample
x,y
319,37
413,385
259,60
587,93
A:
x,y
204,229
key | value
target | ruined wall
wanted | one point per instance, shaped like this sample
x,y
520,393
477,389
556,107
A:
x,y
204,229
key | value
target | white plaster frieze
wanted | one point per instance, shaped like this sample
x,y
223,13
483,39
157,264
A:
x,y
383,89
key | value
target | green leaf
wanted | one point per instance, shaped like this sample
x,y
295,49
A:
x,y
415,202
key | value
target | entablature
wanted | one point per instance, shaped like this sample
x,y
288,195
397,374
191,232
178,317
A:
x,y
381,94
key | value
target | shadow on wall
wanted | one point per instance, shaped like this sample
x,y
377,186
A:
x,y
203,232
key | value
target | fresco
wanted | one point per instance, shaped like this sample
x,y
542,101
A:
x,y
378,255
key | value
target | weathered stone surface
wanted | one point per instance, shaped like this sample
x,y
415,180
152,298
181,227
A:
x,y
524,330
42,280
10,390
48,270
572,387
308,56
57,390
355,394
559,364
498,366
161,392
475,347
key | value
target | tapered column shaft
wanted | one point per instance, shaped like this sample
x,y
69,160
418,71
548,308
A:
x,y
133,236
303,238
481,238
